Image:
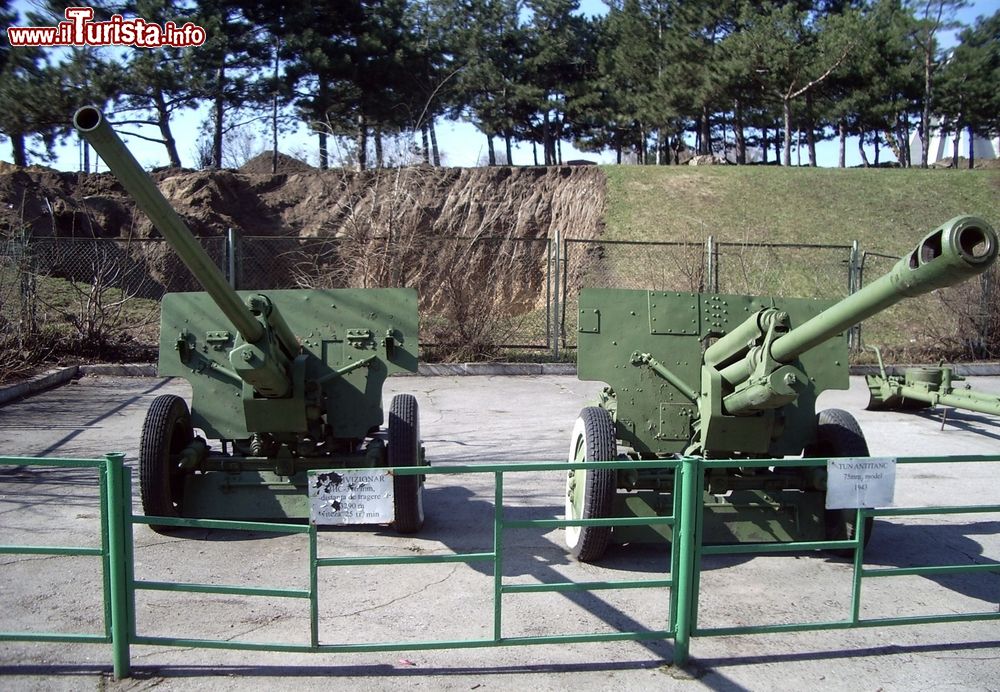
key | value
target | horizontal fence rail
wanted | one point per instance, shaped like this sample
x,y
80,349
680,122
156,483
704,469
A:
x,y
687,551
480,297
493,556
856,545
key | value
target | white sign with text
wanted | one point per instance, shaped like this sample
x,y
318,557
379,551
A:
x,y
351,496
853,482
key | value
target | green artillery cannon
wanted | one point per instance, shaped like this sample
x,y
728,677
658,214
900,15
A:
x,y
286,382
732,377
922,387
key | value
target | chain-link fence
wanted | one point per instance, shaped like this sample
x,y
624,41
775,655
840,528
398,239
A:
x,y
480,297
810,271
670,266
959,322
804,271
477,295
93,297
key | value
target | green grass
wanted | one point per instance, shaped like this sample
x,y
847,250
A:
x,y
886,210
59,300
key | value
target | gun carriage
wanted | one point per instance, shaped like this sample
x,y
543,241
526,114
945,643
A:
x,y
282,382
733,377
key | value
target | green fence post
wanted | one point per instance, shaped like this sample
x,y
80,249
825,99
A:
x,y
117,559
685,531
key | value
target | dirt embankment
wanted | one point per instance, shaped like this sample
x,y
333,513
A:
x,y
432,202
471,241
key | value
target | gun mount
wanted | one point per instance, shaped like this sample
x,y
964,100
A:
x,y
729,376
923,387
286,382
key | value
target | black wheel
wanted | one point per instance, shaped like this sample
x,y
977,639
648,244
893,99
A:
x,y
590,493
404,450
839,435
165,433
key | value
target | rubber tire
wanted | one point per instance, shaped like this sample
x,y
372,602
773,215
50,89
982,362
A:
x,y
166,431
839,435
404,450
593,439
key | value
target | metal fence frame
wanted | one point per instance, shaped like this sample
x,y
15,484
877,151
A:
x,y
558,257
120,585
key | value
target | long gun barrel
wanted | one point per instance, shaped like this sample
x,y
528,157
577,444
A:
x,y
953,252
92,126
262,361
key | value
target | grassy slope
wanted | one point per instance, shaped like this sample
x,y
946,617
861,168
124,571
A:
x,y
886,210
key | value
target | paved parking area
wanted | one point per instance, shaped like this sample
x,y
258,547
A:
x,y
468,420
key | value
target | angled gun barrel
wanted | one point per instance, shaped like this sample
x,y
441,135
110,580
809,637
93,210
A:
x,y
954,252
90,123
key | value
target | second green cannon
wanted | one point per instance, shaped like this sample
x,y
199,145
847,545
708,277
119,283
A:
x,y
732,377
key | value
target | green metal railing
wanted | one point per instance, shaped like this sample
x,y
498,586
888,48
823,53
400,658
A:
x,y
109,473
494,556
854,620
687,551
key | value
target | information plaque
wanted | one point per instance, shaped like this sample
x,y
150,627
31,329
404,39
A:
x,y
350,496
853,482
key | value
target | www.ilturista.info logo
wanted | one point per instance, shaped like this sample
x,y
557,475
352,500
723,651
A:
x,y
79,29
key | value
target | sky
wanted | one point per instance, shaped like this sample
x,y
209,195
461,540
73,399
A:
x,y
461,144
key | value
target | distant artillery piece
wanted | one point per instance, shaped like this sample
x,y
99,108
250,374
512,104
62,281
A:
x,y
923,387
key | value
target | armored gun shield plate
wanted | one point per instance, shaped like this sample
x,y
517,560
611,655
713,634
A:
x,y
672,326
336,329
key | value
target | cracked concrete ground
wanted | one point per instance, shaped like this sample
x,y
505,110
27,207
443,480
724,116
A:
x,y
468,420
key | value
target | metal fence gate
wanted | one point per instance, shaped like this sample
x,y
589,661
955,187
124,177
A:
x,y
679,611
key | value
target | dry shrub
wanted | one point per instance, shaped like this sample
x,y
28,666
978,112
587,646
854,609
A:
x,y
474,290
970,324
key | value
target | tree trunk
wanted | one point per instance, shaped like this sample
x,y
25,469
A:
x,y
324,154
534,152
878,152
618,153
218,115
904,137
786,110
163,122
379,159
435,154
842,150
763,145
18,149
925,116
739,133
706,130
509,147
546,138
362,142
274,107
955,141
492,151
427,147
558,152
972,148
861,149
